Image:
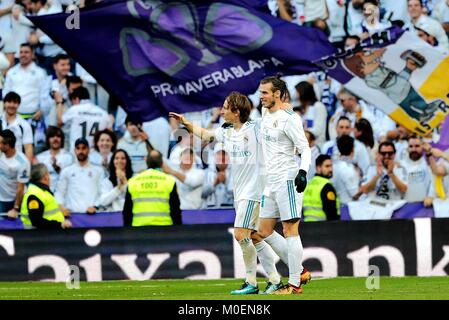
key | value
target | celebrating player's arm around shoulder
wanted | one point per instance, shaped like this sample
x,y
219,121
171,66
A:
x,y
240,138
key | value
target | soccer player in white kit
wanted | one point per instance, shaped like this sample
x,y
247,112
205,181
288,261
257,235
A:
x,y
282,134
241,142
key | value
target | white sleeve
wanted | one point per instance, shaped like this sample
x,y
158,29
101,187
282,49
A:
x,y
294,130
45,100
67,116
65,161
27,134
401,173
108,193
219,134
61,189
319,121
369,174
194,179
351,182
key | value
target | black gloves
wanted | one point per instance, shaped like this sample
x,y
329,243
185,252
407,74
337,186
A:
x,y
301,181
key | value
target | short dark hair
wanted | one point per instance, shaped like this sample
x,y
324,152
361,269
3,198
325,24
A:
x,y
345,145
343,118
420,2
154,159
61,56
353,37
26,44
8,137
132,120
386,144
239,102
81,93
73,79
53,131
12,97
321,158
278,84
306,92
110,133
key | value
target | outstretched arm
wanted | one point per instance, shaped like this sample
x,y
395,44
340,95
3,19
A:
x,y
202,133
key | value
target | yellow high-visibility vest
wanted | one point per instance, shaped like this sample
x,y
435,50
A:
x,y
312,203
51,207
150,193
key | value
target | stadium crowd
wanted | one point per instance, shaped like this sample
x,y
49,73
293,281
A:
x,y
50,101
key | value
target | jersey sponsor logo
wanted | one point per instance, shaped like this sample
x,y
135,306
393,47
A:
x,y
269,138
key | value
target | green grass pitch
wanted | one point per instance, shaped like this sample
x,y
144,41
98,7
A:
x,y
342,288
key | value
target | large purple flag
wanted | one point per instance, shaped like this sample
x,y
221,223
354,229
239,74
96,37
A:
x,y
160,56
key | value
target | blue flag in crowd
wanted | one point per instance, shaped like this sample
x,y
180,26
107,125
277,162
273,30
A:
x,y
160,56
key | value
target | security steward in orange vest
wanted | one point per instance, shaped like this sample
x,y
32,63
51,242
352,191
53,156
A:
x,y
39,207
151,197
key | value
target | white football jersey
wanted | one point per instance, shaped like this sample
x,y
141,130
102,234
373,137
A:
x,y
245,153
12,170
84,120
282,134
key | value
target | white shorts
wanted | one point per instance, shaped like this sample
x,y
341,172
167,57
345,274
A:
x,y
282,201
247,214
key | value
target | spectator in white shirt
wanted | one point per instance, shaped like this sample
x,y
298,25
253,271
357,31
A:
x,y
20,127
48,49
361,156
189,180
354,17
387,180
346,177
135,143
32,84
56,158
185,139
105,143
84,118
78,188
351,107
371,22
315,113
218,191
419,19
14,173
58,90
419,173
113,188
363,132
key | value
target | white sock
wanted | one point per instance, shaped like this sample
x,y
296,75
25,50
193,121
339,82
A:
x,y
250,259
266,257
279,245
295,251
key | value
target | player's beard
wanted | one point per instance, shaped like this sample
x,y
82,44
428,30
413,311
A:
x,y
270,105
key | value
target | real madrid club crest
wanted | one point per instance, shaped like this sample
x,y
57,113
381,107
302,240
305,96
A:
x,y
275,124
